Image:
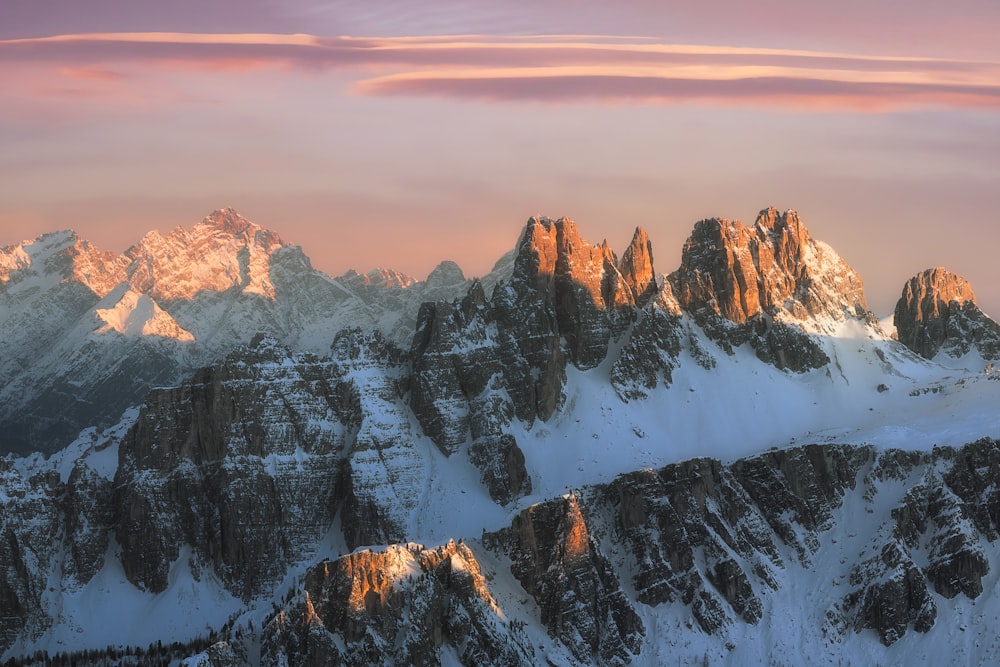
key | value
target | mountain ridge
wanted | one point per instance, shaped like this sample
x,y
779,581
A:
x,y
569,466
81,321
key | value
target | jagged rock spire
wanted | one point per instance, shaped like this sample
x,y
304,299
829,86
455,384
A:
x,y
773,267
937,311
637,266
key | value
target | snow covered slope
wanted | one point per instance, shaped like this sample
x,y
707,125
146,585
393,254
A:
x,y
86,334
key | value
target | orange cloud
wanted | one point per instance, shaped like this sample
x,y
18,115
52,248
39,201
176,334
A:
x,y
562,68
90,73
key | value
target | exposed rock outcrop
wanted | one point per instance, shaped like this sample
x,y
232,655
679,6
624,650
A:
x,y
637,267
937,312
765,284
711,536
577,590
241,463
386,470
652,349
774,266
402,605
89,513
30,519
501,463
565,301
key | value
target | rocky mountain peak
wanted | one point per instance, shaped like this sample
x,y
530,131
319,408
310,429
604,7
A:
x,y
229,220
736,272
61,257
535,262
223,251
21,256
444,274
937,311
130,313
386,278
637,265
579,281
552,257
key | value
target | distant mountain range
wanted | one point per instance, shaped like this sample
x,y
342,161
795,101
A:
x,y
573,460
88,333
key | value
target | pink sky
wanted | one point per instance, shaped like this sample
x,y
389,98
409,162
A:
x,y
376,134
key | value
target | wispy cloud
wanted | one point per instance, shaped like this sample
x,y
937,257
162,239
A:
x,y
555,69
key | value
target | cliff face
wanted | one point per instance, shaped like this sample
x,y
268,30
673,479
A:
x,y
579,596
481,362
255,471
937,312
250,461
772,267
241,463
406,604
715,547
768,286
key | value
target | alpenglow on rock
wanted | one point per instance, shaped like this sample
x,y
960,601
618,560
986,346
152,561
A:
x,y
87,333
537,435
772,267
481,362
938,313
766,284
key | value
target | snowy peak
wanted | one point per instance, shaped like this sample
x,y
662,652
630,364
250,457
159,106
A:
x,y
444,274
774,267
937,312
222,252
229,221
387,278
59,257
131,313
113,326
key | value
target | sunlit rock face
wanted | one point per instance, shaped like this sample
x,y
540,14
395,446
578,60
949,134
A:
x,y
405,604
773,267
637,267
481,362
937,312
223,251
768,285
579,596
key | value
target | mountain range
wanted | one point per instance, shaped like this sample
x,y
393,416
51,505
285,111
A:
x,y
574,459
87,333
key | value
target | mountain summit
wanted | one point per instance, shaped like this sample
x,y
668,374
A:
x,y
224,251
87,333
773,267
937,313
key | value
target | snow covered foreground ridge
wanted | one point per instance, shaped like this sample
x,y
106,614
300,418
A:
x,y
222,493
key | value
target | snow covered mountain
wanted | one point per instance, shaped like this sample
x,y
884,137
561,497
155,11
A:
x,y
87,333
585,463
